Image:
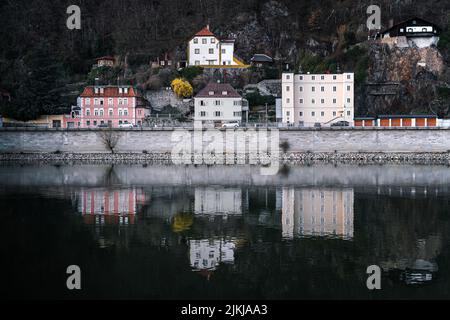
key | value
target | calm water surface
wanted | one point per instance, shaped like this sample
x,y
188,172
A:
x,y
162,232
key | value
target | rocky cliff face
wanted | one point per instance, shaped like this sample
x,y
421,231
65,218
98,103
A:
x,y
402,80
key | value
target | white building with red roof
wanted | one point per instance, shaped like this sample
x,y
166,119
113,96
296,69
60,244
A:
x,y
218,102
205,49
112,106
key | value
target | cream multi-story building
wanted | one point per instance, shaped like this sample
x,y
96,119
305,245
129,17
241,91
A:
x,y
308,99
207,50
218,102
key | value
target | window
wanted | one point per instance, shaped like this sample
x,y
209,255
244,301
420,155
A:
x,y
95,112
211,51
202,103
88,112
313,89
197,51
349,113
197,63
334,113
88,101
88,123
301,89
110,112
322,89
217,113
237,114
301,77
301,114
204,41
322,114
120,112
313,78
313,114
213,40
334,77
288,77
110,101
196,40
224,93
288,113
101,102
334,101
348,100
203,114
95,102
313,101
288,88
301,100
125,112
217,102
288,100
163,63
95,123
322,77
322,101
349,76
139,112
102,112
334,89
125,101
224,51
348,88
120,90
120,101
237,103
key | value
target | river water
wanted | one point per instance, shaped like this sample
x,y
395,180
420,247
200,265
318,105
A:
x,y
197,232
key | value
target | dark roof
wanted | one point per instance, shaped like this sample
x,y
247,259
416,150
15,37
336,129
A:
x,y
106,58
217,90
419,22
364,118
261,58
109,91
384,116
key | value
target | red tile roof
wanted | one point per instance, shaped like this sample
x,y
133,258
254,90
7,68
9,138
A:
x,y
205,32
109,91
217,90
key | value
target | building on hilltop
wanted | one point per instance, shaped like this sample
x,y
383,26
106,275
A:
x,y
414,31
205,49
317,99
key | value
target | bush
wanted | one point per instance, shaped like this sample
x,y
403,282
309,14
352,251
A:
x,y
190,73
182,88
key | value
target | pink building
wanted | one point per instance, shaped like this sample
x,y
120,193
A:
x,y
112,106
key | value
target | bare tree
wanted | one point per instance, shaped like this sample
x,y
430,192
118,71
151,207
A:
x,y
110,138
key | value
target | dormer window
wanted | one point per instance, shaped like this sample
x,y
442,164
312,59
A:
x,y
211,93
125,90
224,93
120,90
96,90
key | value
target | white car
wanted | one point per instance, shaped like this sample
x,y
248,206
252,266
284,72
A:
x,y
126,125
230,125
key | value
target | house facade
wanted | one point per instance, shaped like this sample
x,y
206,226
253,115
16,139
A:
x,y
112,106
414,31
218,102
205,49
311,99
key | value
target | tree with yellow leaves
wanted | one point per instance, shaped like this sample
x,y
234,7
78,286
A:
x,y
182,88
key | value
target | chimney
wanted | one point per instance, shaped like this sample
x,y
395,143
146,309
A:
x,y
207,26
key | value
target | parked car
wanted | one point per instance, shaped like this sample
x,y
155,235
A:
x,y
317,125
230,125
341,124
103,125
126,126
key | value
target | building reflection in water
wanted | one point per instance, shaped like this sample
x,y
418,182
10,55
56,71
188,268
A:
x,y
109,206
208,254
218,201
317,212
